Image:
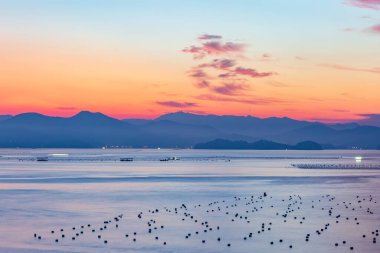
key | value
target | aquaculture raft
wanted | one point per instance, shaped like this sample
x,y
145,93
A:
x,y
337,166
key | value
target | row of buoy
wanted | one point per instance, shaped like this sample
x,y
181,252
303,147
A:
x,y
291,205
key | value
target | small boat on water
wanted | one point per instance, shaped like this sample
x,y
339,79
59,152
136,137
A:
x,y
173,158
126,159
42,159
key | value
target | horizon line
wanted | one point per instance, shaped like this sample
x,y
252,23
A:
x,y
324,121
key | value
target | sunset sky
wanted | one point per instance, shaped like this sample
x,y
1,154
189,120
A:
x,y
304,59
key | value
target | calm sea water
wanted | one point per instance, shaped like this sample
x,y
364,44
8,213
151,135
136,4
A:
x,y
77,187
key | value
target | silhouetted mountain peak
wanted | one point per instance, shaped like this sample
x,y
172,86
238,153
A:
x,y
30,117
89,115
94,117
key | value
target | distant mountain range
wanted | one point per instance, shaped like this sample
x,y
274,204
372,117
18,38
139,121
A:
x,y
258,145
175,130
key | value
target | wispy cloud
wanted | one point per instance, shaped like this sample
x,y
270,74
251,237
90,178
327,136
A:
x,y
369,4
67,108
245,100
176,104
251,72
198,73
346,68
209,37
266,57
374,29
230,88
202,84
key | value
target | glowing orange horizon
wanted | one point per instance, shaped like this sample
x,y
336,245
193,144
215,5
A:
x,y
59,67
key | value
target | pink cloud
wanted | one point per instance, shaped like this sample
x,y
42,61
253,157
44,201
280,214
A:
x,y
229,88
251,72
202,84
201,77
198,73
209,37
176,104
214,48
375,29
226,75
219,64
222,75
369,4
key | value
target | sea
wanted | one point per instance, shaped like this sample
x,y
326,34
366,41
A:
x,y
185,200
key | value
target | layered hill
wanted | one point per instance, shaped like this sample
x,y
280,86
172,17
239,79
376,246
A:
x,y
175,130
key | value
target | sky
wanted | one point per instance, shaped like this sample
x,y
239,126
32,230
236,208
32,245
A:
x,y
303,59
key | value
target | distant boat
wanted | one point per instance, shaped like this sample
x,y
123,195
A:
x,y
173,158
42,159
126,159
